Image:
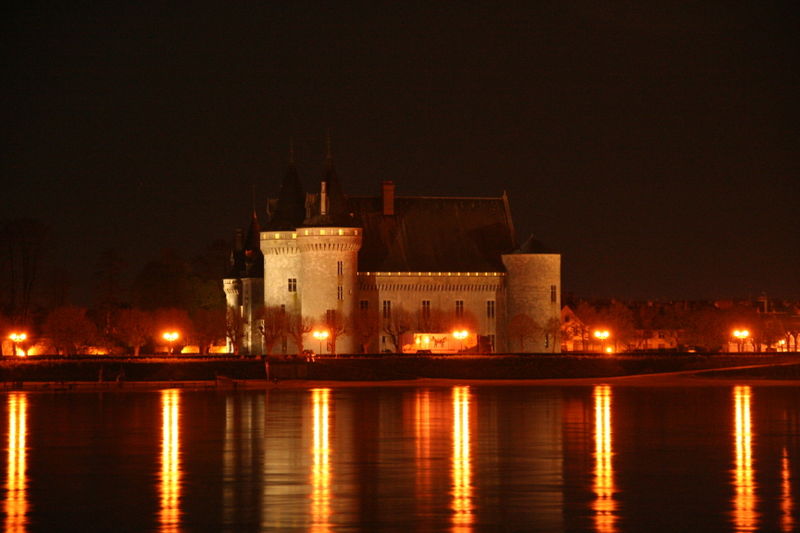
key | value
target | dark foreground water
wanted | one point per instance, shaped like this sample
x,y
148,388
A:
x,y
405,459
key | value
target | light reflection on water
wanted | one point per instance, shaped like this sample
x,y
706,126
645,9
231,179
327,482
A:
x,y
461,462
170,485
321,462
604,505
16,503
422,459
744,504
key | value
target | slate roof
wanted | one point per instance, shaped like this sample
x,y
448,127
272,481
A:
x,y
434,234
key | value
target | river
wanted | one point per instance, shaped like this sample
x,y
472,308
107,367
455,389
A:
x,y
442,458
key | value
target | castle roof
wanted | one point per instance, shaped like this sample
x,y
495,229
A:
x,y
434,234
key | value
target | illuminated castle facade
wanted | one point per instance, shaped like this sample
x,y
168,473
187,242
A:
x,y
392,273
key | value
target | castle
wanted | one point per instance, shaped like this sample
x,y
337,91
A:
x,y
389,274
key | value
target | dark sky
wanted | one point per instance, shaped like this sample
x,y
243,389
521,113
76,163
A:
x,y
655,147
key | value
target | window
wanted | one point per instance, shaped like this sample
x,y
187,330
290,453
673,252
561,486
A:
x,y
339,293
490,309
426,309
387,309
459,308
330,317
363,305
292,284
339,267
553,293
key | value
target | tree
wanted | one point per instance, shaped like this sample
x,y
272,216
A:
x,y
272,322
396,324
522,328
234,329
365,325
134,328
70,330
552,329
337,325
209,326
296,328
433,320
22,243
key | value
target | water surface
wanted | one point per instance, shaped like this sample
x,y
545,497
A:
x,y
464,458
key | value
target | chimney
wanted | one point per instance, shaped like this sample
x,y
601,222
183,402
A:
x,y
323,198
387,192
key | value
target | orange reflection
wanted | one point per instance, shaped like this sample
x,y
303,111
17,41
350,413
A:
x,y
744,514
422,440
321,468
170,461
787,521
16,505
604,506
461,462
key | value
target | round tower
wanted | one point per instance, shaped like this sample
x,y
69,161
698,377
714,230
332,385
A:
x,y
328,268
533,291
233,303
281,269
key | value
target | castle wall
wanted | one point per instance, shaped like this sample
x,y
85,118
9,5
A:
x,y
533,288
408,290
252,297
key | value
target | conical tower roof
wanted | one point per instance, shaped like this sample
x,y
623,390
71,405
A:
x,y
290,209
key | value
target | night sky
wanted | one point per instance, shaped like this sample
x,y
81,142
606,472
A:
x,y
655,147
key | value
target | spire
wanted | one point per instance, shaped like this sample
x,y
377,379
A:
x,y
290,209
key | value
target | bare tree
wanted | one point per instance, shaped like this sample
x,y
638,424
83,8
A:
x,y
70,330
272,322
396,324
296,328
22,243
337,325
522,328
234,329
365,326
209,326
134,328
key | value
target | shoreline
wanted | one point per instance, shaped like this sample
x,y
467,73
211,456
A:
x,y
712,377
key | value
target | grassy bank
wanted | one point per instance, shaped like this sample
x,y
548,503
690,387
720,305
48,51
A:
x,y
16,372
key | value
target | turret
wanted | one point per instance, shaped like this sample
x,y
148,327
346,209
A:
x,y
533,291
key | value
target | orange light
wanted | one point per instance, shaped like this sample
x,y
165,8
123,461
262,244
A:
x,y
741,334
602,334
321,334
461,334
609,349
18,337
171,336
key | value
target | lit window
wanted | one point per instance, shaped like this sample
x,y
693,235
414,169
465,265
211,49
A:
x,y
490,309
292,284
459,308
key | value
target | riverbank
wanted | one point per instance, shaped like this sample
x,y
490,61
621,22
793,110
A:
x,y
203,373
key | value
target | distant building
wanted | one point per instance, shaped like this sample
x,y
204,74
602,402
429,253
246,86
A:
x,y
382,270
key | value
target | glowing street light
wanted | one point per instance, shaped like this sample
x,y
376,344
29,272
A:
x,y
320,335
461,334
17,338
741,335
602,335
171,337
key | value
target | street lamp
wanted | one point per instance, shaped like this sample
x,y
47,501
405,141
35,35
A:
x,y
171,337
321,335
741,335
602,335
461,335
17,338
